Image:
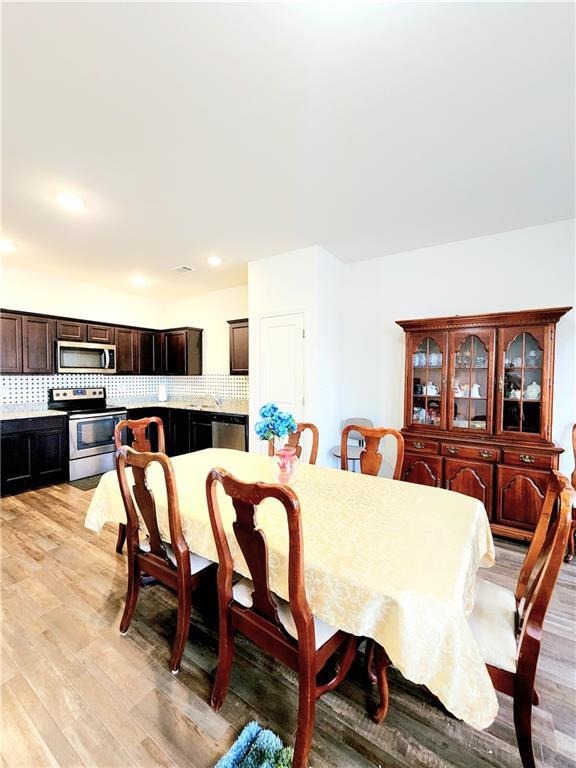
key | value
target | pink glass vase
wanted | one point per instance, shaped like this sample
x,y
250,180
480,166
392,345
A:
x,y
285,463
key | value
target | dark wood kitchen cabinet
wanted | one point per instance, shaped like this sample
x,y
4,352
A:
x,y
179,436
127,348
182,352
145,413
27,345
10,343
238,347
148,352
478,410
100,334
37,345
70,330
33,453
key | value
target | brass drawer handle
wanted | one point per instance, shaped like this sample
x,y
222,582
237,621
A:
x,y
452,449
418,445
486,454
527,459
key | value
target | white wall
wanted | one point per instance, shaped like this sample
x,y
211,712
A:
x,y
522,269
210,311
307,281
54,295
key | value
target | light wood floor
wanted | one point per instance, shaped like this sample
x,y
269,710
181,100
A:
x,y
76,693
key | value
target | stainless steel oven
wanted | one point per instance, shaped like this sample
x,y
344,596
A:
x,y
92,442
83,357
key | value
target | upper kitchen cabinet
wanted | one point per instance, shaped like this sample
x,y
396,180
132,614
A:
x,y
100,334
27,344
127,348
238,347
37,345
70,330
182,352
10,343
148,352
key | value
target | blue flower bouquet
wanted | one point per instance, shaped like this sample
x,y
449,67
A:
x,y
275,424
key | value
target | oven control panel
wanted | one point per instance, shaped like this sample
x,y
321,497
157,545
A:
x,y
75,393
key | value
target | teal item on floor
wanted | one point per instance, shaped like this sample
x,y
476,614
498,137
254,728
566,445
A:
x,y
257,748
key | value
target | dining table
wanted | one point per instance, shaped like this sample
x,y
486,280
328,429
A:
x,y
384,559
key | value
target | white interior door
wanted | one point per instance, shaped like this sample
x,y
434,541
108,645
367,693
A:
x,y
282,362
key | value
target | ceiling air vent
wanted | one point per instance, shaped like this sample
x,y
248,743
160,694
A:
x,y
183,268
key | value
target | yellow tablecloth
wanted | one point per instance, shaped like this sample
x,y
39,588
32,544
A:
x,y
389,560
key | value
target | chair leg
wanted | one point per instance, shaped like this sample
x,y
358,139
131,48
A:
x,y
523,726
348,655
306,715
182,629
121,538
369,656
381,662
225,658
570,553
132,594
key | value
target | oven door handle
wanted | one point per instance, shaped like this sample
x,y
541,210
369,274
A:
x,y
106,359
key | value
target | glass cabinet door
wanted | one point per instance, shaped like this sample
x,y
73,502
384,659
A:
x,y
521,382
471,380
428,363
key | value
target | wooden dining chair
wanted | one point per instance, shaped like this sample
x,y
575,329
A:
x,y
140,429
570,553
172,564
294,441
371,458
286,630
508,625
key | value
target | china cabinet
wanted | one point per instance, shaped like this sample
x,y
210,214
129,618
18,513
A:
x,y
478,410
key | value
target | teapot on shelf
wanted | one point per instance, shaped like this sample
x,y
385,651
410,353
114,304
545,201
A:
x,y
532,391
431,389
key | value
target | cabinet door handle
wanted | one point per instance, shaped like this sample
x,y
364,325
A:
x,y
452,449
418,444
486,454
527,459
501,384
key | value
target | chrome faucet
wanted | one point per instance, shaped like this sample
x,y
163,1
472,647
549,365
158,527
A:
x,y
218,399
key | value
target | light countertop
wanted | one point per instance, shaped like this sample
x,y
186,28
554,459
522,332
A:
x,y
40,410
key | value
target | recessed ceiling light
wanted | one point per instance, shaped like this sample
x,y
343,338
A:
x,y
214,261
7,246
71,202
139,281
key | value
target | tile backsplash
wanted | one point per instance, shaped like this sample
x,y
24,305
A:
x,y
34,389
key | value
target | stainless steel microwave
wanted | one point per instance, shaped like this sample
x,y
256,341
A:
x,y
82,357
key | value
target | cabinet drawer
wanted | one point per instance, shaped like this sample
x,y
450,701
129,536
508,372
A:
x,y
470,452
426,446
528,458
15,426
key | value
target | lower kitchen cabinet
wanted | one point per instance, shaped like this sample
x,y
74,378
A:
x,y
34,452
179,441
472,478
145,413
200,431
424,470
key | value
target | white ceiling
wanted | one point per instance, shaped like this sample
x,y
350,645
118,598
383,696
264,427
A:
x,y
254,129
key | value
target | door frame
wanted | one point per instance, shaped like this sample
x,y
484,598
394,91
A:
x,y
258,446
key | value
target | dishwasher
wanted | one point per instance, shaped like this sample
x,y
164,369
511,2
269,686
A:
x,y
229,432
